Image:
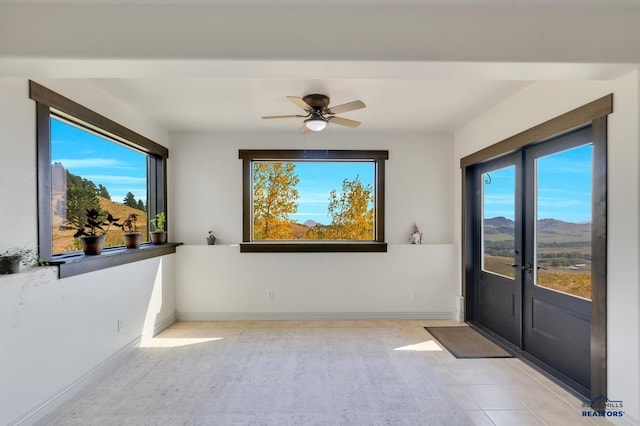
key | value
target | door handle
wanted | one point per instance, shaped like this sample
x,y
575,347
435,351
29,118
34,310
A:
x,y
528,268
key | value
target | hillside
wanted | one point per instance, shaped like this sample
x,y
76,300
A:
x,y
549,231
121,212
557,230
63,241
563,250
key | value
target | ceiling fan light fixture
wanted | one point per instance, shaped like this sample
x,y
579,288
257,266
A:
x,y
315,124
318,112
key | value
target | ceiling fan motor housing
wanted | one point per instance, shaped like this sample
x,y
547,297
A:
x,y
318,112
317,101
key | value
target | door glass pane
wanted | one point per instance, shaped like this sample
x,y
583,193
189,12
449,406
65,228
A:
x,y
498,213
563,221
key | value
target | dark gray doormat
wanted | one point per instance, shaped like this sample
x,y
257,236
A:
x,y
465,342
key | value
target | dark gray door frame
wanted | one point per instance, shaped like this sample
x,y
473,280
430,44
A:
x,y
594,114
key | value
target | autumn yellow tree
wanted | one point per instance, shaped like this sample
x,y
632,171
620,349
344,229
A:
x,y
351,214
274,199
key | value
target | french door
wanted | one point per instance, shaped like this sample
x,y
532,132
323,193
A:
x,y
533,252
499,253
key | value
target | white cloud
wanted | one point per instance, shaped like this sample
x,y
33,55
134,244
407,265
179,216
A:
x,y
313,198
561,202
499,199
115,180
87,163
309,214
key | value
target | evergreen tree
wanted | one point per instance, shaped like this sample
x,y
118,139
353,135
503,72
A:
x,y
141,205
81,196
102,192
130,200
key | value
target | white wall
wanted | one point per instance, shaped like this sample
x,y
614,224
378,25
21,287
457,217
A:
x,y
540,102
55,332
221,281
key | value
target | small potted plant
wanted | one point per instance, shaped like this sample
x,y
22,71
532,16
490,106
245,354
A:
x,y
211,239
11,259
132,238
159,235
92,232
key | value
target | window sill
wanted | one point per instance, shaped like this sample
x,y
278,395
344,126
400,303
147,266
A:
x,y
76,264
313,247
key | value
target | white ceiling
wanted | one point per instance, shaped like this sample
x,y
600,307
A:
x,y
232,104
221,69
402,97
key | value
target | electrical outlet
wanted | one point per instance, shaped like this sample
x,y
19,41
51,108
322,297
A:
x,y
271,295
415,295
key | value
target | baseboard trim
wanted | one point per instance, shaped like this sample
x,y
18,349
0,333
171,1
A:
x,y
302,316
110,364
159,327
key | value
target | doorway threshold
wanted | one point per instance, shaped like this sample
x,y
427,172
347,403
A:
x,y
552,374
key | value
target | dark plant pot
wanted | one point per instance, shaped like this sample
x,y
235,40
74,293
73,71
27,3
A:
x,y
132,240
158,237
10,265
211,240
92,244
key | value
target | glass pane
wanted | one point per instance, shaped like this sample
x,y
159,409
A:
x,y
563,221
313,200
498,229
91,171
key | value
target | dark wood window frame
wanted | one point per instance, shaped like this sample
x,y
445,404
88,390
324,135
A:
x,y
377,157
593,114
50,103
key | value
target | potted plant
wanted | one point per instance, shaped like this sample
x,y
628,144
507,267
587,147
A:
x,y
159,235
211,239
11,259
132,238
92,232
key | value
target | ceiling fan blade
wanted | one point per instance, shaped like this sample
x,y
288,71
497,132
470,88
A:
x,y
304,128
350,106
269,117
344,121
300,102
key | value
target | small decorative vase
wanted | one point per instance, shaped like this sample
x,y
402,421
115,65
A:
x,y
211,240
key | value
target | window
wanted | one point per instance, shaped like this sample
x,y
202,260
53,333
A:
x,y
313,201
93,171
86,161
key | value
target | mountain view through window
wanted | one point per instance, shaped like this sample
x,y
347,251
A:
x,y
91,171
563,188
313,200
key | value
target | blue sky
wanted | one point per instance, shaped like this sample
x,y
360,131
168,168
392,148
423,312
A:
x,y
317,179
563,188
564,179
100,160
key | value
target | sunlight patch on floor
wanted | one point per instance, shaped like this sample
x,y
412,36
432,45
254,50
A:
x,y
426,346
174,342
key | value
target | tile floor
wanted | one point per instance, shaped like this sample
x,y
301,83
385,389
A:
x,y
493,391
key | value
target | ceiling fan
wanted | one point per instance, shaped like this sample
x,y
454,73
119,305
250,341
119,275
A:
x,y
319,114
